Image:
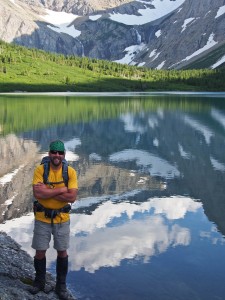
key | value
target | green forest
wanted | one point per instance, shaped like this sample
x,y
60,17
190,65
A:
x,y
32,70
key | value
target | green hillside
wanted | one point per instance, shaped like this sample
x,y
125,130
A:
x,y
32,70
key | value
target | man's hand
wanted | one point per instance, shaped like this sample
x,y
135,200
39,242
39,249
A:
x,y
40,186
41,191
69,196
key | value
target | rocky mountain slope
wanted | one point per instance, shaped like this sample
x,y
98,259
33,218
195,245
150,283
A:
x,y
160,34
193,30
78,7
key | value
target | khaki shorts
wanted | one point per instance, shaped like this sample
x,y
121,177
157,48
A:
x,y
42,235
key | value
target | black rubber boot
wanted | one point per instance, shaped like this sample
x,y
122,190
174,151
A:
x,y
61,273
39,281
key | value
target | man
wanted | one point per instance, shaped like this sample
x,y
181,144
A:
x,y
52,217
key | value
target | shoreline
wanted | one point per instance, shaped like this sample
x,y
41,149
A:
x,y
17,272
116,94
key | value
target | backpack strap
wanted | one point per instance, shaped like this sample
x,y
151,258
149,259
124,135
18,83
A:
x,y
46,162
65,172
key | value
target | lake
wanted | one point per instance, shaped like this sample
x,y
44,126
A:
x,y
149,222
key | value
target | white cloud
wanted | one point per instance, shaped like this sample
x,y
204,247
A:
x,y
174,207
104,245
139,239
134,238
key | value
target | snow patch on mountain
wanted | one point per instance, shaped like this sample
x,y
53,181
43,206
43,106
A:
x,y
141,64
158,33
218,63
130,53
220,12
61,22
186,22
160,66
94,18
210,43
147,15
154,54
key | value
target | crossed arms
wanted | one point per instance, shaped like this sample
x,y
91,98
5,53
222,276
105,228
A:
x,y
41,191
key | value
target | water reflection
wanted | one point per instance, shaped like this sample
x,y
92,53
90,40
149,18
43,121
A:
x,y
118,232
114,231
156,166
115,225
151,204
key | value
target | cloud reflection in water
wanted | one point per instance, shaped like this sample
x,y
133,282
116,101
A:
x,y
116,231
104,243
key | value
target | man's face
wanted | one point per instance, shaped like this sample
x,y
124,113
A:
x,y
56,157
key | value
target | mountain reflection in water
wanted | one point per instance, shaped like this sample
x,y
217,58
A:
x,y
149,221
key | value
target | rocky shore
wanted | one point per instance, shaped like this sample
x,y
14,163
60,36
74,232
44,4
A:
x,y
17,273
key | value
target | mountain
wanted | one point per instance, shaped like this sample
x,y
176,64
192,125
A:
x,y
158,34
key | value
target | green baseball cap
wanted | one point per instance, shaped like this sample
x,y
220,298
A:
x,y
57,146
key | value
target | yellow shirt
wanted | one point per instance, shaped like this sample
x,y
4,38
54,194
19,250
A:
x,y
54,176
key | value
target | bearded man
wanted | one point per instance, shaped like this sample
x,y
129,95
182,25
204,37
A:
x,y
53,203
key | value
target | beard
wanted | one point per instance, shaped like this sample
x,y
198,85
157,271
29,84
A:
x,y
56,161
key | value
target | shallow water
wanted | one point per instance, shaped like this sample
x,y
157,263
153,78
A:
x,y
149,221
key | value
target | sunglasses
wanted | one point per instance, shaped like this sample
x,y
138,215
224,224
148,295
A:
x,y
55,152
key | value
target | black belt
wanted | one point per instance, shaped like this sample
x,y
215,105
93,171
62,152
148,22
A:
x,y
50,213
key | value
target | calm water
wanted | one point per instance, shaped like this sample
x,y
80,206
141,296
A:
x,y
150,219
